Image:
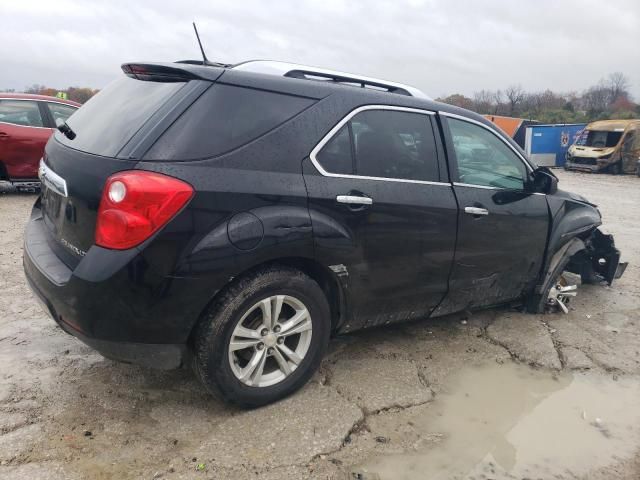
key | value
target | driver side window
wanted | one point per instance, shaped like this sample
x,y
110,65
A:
x,y
483,159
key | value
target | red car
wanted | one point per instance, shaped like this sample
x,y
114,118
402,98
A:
x,y
26,123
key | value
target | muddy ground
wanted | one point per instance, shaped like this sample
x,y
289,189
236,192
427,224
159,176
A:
x,y
496,394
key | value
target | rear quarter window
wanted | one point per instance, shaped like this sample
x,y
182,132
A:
x,y
224,118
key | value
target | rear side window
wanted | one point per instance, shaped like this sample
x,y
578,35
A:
x,y
336,156
20,112
387,144
109,119
60,111
224,118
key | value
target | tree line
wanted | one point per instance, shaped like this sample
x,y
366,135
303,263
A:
x,y
77,94
608,99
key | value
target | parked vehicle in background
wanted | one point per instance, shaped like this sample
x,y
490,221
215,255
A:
x,y
235,217
607,145
26,123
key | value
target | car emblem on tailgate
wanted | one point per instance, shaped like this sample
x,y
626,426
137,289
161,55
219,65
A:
x,y
52,180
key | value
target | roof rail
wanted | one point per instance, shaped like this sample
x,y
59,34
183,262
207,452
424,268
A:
x,y
314,73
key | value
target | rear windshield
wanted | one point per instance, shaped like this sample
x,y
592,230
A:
x,y
108,121
599,139
224,118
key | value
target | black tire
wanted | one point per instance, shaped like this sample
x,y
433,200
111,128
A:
x,y
213,334
537,303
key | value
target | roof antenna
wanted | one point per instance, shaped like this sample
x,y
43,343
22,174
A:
x,y
205,60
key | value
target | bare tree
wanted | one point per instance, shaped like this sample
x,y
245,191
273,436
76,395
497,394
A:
x,y
597,98
618,86
515,95
483,101
498,103
35,88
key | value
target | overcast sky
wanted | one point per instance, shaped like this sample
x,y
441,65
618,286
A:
x,y
439,46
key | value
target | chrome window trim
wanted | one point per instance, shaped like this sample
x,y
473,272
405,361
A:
x,y
487,187
491,130
484,187
342,123
38,100
26,126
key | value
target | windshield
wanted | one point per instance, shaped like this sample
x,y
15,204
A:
x,y
598,139
107,122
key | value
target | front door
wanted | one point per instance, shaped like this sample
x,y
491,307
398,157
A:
x,y
382,218
502,226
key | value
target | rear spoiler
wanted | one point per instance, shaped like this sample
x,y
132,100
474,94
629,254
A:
x,y
171,72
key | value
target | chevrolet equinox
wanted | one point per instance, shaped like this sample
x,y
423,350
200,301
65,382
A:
x,y
235,217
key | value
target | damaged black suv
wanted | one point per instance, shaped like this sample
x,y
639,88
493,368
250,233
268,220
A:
x,y
235,217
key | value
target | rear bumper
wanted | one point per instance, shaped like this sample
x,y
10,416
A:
x,y
113,302
160,356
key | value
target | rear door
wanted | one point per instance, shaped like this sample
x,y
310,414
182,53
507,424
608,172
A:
x,y
23,135
502,226
382,214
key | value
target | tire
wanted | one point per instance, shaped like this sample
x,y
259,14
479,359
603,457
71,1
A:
x,y
537,303
242,306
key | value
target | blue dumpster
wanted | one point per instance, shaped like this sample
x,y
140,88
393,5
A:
x,y
547,145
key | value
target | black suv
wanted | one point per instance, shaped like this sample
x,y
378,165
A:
x,y
236,217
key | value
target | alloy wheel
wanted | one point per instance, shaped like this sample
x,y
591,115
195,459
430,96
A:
x,y
560,294
270,341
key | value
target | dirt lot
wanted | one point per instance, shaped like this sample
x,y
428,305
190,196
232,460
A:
x,y
497,394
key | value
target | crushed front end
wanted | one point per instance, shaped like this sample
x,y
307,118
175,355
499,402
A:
x,y
599,261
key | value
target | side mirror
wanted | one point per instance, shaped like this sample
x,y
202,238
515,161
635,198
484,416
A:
x,y
544,181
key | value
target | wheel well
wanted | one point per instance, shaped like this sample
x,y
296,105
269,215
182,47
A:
x,y
3,172
327,281
321,274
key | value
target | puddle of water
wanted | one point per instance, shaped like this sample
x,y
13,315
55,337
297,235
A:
x,y
506,421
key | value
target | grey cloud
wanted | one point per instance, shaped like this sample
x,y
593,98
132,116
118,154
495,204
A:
x,y
438,46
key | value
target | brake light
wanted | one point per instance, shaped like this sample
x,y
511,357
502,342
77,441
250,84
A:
x,y
135,205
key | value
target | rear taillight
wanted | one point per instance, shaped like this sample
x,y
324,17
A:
x,y
136,204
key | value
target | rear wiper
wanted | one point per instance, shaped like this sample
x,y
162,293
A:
x,y
63,127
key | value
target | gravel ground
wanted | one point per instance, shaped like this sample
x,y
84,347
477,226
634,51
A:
x,y
66,412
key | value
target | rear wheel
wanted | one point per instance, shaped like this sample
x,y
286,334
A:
x,y
264,338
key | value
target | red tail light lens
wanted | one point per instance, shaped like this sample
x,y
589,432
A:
x,y
135,205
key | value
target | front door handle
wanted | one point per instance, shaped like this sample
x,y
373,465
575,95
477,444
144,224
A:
x,y
354,200
476,211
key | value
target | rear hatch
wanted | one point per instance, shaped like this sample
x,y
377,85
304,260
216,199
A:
x,y
110,133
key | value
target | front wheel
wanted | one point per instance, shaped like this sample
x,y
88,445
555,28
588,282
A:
x,y
264,338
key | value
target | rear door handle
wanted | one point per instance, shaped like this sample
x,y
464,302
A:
x,y
354,200
4,135
476,211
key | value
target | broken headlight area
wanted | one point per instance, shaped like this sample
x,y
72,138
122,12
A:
x,y
599,261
